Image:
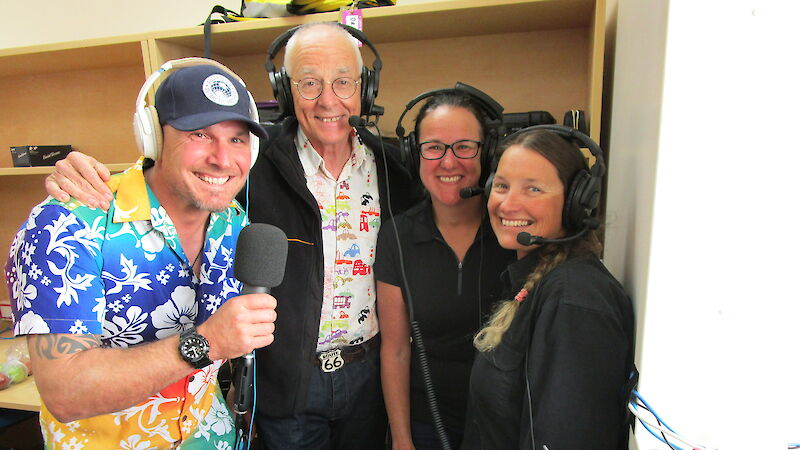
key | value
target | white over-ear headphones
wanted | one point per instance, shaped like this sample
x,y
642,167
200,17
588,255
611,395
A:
x,y
146,126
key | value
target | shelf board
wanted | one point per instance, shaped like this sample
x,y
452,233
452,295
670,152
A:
x,y
386,24
44,170
121,51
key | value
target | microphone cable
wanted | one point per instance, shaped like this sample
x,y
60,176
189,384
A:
x,y
416,334
240,443
240,436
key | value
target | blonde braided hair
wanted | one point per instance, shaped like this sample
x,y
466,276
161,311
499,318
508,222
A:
x,y
551,256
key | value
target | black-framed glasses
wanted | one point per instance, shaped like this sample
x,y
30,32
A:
x,y
311,88
464,149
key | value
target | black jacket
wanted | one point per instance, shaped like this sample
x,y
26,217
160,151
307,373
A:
x,y
572,342
277,195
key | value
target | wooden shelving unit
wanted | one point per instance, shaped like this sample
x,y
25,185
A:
x,y
527,54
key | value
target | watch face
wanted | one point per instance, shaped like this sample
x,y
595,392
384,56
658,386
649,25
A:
x,y
194,348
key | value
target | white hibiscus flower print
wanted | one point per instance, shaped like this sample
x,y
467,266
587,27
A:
x,y
31,323
217,421
134,442
177,314
126,331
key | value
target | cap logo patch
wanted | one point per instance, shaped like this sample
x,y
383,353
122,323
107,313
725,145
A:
x,y
220,90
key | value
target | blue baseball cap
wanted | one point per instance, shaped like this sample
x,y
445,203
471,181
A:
x,y
196,97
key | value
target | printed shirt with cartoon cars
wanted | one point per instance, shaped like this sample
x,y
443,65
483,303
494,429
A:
x,y
350,213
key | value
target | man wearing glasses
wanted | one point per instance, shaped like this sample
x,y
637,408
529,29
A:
x,y
326,185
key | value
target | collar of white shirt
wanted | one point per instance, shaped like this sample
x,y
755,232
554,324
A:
x,y
312,161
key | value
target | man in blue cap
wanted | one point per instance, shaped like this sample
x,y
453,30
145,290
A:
x,y
129,313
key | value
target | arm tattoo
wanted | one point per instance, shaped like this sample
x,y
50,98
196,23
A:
x,y
54,346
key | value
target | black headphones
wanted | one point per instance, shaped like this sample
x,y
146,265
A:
x,y
583,194
409,145
282,85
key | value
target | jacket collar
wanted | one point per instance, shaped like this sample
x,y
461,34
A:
x,y
517,272
312,162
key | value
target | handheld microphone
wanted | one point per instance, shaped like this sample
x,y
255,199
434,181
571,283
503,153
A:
x,y
356,121
259,264
468,192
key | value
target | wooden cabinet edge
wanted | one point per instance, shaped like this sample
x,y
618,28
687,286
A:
x,y
44,170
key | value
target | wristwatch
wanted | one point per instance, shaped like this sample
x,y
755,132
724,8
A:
x,y
193,348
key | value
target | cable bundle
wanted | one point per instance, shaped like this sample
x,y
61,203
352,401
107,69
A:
x,y
315,6
637,403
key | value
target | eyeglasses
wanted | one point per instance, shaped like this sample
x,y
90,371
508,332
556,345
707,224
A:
x,y
311,88
464,149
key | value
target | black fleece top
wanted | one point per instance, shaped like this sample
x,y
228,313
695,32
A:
x,y
572,342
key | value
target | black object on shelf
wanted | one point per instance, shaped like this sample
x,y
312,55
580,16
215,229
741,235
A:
x,y
517,121
576,118
38,155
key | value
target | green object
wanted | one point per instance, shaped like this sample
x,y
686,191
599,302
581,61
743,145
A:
x,y
16,370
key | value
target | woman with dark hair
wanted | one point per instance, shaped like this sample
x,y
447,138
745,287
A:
x,y
555,357
441,260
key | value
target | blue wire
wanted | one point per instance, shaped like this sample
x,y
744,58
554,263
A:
x,y
650,430
255,398
653,411
247,196
240,443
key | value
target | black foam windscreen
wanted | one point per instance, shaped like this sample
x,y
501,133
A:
x,y
355,121
260,255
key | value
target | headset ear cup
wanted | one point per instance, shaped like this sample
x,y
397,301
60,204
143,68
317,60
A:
x,y
286,92
590,196
149,142
138,132
409,155
487,187
282,90
487,155
574,209
158,137
254,144
368,91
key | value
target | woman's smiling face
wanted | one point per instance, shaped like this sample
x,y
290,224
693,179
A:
x,y
526,195
445,177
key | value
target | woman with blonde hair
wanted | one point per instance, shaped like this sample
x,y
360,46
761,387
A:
x,y
554,360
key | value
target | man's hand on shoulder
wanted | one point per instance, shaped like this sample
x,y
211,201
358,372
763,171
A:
x,y
82,177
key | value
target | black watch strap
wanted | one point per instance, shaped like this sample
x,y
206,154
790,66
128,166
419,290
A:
x,y
193,348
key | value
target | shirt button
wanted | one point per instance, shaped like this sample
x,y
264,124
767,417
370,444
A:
x,y
191,378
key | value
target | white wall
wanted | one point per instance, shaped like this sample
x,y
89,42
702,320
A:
x,y
52,21
701,214
71,20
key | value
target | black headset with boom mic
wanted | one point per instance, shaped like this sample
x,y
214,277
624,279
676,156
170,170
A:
x,y
582,196
493,125
282,84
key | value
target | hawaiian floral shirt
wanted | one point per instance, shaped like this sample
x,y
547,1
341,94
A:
x,y
350,214
124,275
